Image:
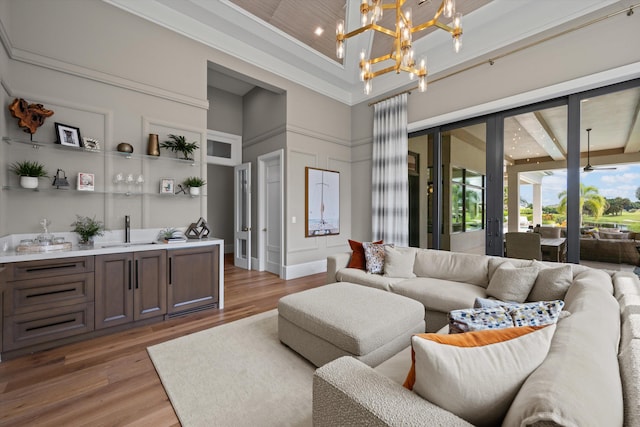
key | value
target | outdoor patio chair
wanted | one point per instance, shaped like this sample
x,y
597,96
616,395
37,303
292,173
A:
x,y
523,245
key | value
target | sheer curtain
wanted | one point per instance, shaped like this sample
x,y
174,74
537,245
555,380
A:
x,y
389,181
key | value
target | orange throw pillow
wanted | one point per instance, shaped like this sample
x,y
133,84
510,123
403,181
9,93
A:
x,y
357,257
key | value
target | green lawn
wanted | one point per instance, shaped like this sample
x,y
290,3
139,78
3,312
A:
x,y
630,219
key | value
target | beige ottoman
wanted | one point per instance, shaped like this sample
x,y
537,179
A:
x,y
345,319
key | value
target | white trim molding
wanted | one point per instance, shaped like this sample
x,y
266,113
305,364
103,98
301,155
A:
x,y
305,269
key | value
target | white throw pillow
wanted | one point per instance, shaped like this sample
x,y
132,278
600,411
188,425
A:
x,y
552,283
477,382
509,283
398,262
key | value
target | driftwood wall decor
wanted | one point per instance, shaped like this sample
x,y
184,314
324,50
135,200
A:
x,y
30,116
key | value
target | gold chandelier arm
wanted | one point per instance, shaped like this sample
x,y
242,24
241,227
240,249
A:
x,y
367,27
382,58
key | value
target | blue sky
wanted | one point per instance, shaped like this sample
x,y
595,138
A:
x,y
621,182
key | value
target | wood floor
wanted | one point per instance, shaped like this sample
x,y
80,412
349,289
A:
x,y
111,380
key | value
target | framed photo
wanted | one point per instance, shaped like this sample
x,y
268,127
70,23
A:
x,y
91,144
413,163
68,135
86,181
322,202
167,186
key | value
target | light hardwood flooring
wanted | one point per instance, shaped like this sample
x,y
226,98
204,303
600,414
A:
x,y
111,380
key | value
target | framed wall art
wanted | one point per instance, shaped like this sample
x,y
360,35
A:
x,y
167,186
322,202
68,135
86,181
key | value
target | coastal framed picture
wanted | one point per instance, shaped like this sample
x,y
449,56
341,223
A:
x,y
322,202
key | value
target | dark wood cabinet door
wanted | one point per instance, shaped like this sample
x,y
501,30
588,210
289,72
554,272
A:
x,y
150,284
113,289
193,278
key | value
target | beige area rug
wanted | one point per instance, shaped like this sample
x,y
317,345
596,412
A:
x,y
237,374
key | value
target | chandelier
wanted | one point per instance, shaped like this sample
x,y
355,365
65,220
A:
x,y
402,54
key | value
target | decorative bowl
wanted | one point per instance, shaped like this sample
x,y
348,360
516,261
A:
x,y
125,147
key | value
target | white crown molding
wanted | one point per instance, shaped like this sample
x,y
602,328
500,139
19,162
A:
x,y
612,76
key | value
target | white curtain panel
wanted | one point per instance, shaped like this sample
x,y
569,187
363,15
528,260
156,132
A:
x,y
390,184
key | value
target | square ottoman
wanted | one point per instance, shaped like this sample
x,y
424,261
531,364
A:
x,y
345,319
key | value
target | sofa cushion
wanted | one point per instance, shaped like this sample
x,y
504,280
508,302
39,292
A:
x,y
477,375
510,283
438,294
618,235
357,255
374,256
552,283
398,262
454,266
578,384
630,374
361,277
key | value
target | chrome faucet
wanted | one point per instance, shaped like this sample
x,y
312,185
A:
x,y
127,229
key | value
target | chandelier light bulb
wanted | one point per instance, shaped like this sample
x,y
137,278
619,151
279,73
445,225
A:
x,y
457,21
422,84
367,87
340,49
449,8
457,43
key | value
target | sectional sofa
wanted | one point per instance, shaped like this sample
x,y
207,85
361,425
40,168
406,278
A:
x,y
589,377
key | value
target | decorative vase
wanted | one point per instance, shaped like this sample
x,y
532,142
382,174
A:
x,y
153,148
86,244
194,191
29,182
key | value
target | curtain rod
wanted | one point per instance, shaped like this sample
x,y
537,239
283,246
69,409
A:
x,y
491,61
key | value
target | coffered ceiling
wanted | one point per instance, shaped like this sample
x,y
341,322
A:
x,y
278,35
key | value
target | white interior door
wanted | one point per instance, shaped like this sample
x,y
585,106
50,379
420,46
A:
x,y
242,216
273,215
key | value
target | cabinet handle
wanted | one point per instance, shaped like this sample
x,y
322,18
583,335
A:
x,y
137,275
130,272
171,270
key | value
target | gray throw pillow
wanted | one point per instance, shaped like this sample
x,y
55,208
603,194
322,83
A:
x,y
509,283
398,262
552,283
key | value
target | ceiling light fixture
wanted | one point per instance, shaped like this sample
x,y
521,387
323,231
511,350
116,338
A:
x,y
318,31
402,54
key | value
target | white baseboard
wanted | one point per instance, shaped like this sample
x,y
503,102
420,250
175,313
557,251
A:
x,y
305,269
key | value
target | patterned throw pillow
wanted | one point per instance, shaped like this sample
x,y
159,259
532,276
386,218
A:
x,y
536,313
478,319
374,257
357,255
493,314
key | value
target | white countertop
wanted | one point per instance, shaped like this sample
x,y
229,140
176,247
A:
x,y
141,240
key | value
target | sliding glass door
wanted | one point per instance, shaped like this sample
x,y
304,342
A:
x,y
568,168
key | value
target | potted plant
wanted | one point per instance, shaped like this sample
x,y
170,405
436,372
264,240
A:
x,y
87,228
194,183
29,172
179,144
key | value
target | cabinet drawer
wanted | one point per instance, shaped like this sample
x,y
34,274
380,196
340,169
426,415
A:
x,y
41,326
49,267
24,296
